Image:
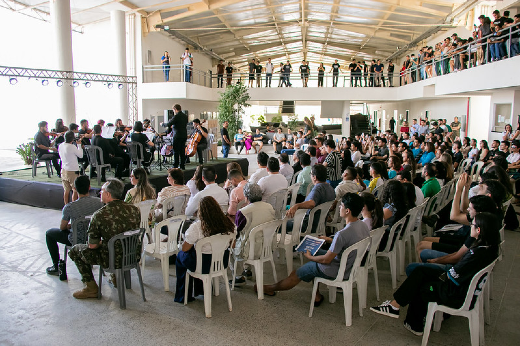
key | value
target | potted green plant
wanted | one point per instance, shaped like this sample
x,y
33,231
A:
x,y
231,107
25,152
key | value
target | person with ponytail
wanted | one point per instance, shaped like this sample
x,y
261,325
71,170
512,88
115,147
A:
x,y
372,211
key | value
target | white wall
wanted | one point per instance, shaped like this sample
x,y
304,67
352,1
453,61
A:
x,y
479,119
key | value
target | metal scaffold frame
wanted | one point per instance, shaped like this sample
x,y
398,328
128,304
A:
x,y
131,81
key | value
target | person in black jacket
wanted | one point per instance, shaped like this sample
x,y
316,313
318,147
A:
x,y
108,154
178,125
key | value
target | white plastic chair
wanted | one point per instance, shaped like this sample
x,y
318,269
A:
x,y
278,200
145,207
475,170
463,166
293,190
415,228
241,204
360,248
294,178
164,250
390,250
337,222
224,208
219,244
309,189
287,241
268,230
177,204
370,263
324,210
473,313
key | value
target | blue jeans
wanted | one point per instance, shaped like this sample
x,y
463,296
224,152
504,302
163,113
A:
x,y
225,151
514,48
187,71
425,256
166,70
268,78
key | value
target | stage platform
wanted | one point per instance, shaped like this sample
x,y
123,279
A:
x,y
20,187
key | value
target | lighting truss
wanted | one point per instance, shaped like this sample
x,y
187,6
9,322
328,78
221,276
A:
x,y
131,81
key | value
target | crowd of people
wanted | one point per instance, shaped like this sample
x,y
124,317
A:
x,y
492,40
404,170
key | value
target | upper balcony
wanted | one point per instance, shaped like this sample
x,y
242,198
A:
x,y
477,80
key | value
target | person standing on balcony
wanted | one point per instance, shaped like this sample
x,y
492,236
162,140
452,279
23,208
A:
x,y
378,69
515,36
165,59
252,68
390,74
187,61
321,74
304,72
336,69
287,69
258,70
269,67
220,74
229,73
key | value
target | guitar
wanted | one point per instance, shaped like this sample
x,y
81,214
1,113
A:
x,y
193,141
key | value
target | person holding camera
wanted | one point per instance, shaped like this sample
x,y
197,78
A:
x,y
70,152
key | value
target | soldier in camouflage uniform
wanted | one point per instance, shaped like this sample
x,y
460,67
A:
x,y
114,218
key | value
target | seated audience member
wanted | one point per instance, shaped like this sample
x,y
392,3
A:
x,y
514,158
114,218
228,185
416,149
237,194
406,177
333,164
274,181
148,146
428,154
381,151
409,192
377,173
257,212
142,189
447,287
325,264
394,166
278,139
258,139
447,160
296,159
351,182
440,172
44,148
212,189
395,207
409,163
261,172
462,213
356,152
318,144
196,184
312,153
211,221
458,157
504,148
108,154
304,178
285,168
431,185
85,205
372,211
69,154
176,188
322,192
239,140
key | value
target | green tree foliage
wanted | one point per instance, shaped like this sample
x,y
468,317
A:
x,y
231,107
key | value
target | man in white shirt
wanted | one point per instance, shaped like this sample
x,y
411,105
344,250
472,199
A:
x,y
211,189
274,181
285,168
187,61
514,158
423,129
261,172
268,73
69,154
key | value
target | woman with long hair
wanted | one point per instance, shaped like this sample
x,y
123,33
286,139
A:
x,y
395,207
372,211
212,220
503,177
465,146
142,189
441,172
446,287
139,137
196,184
483,153
308,130
428,154
447,159
394,166
409,163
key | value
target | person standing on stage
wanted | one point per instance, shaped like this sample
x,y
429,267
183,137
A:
x,y
178,124
226,143
203,143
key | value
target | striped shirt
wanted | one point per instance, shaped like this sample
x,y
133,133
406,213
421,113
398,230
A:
x,y
333,161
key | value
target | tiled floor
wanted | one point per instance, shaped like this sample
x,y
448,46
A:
x,y
37,309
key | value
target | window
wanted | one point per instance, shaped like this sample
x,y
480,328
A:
x,y
502,116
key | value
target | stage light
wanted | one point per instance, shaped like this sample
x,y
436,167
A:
x,y
59,83
75,83
110,85
13,81
45,82
120,86
87,84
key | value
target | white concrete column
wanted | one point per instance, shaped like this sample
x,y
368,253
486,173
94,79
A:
x,y
61,25
117,20
345,119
